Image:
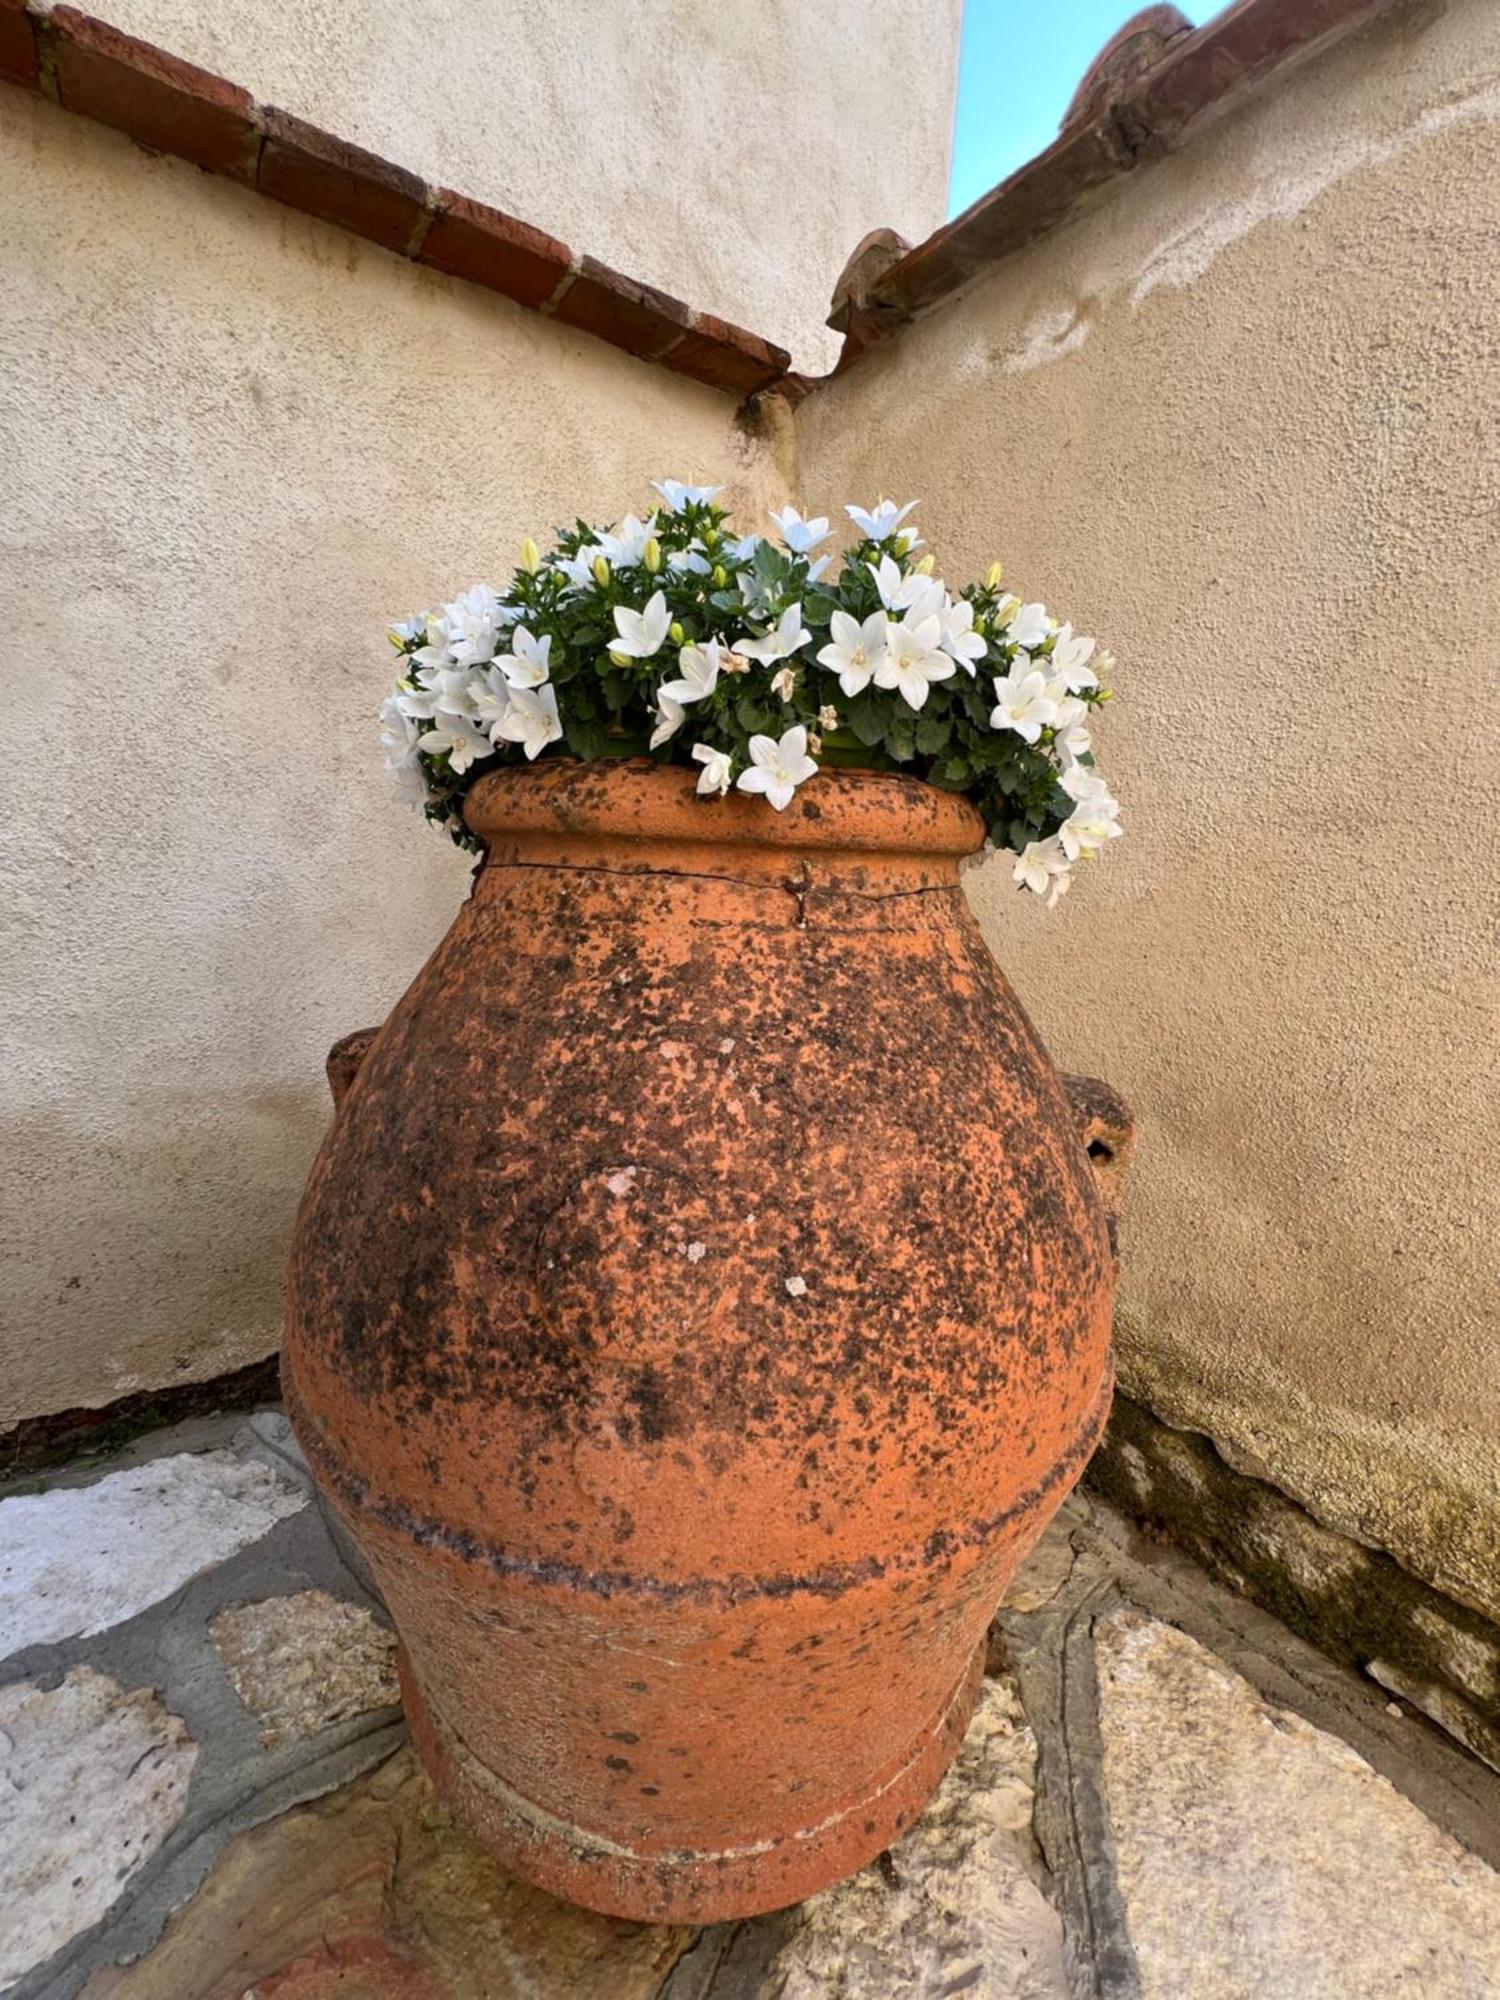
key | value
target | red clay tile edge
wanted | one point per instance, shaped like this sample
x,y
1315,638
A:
x,y
1152,113
172,106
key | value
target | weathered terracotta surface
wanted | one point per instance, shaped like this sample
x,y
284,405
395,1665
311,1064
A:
x,y
700,1303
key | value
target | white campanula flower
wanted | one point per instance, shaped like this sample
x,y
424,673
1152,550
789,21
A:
x,y
677,495
755,594
1095,817
801,536
916,596
689,562
700,673
1043,867
1069,662
784,683
434,695
642,634
1026,626
456,737
785,637
527,666
882,523
473,623
778,768
579,569
1022,703
1070,739
855,650
716,775
914,660
531,720
624,547
489,694
406,629
399,734
434,654
960,641
743,550
670,716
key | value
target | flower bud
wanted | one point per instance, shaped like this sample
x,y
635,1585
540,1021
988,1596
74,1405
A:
x,y
531,557
676,633
601,572
903,545
710,538
992,576
982,626
924,567
621,659
652,557
721,576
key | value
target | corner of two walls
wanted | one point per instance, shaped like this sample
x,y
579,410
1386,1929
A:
x,y
1231,418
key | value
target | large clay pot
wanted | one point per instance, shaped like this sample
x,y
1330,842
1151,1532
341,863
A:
x,y
701,1302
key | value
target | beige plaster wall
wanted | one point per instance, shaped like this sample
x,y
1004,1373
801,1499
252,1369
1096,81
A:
x,y
731,154
1242,421
235,444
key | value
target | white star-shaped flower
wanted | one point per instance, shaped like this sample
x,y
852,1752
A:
x,y
778,768
914,660
642,634
531,720
1022,703
670,716
527,666
1043,867
882,523
855,650
700,666
959,637
801,536
457,738
678,495
716,775
1069,659
785,637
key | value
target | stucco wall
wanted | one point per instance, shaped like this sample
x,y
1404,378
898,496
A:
x,y
733,155
1242,421
236,443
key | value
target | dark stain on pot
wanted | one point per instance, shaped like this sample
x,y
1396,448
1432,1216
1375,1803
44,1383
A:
x,y
702,1272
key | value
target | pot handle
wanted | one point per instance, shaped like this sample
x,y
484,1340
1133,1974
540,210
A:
x,y
343,1061
1106,1125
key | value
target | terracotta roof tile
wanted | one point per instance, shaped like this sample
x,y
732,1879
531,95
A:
x,y
164,103
18,48
1130,114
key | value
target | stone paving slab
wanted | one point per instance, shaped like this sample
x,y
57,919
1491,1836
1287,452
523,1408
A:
x,y
75,1562
1259,1855
1158,1799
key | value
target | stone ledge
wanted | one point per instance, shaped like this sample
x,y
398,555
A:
x,y
1355,1604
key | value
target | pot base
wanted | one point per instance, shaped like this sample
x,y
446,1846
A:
x,y
684,1886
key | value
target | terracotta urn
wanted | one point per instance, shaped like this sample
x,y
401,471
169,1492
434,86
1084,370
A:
x,y
699,1305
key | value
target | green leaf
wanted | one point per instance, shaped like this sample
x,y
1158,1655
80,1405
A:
x,y
752,718
932,734
585,738
865,716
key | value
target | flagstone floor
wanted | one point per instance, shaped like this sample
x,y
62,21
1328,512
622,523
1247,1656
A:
x,y
206,1791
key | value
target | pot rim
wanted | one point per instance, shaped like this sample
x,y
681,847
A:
x,y
635,798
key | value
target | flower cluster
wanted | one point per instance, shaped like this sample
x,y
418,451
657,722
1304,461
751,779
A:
x,y
674,637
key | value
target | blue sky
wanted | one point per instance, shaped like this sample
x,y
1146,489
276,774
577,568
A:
x,y
1019,63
